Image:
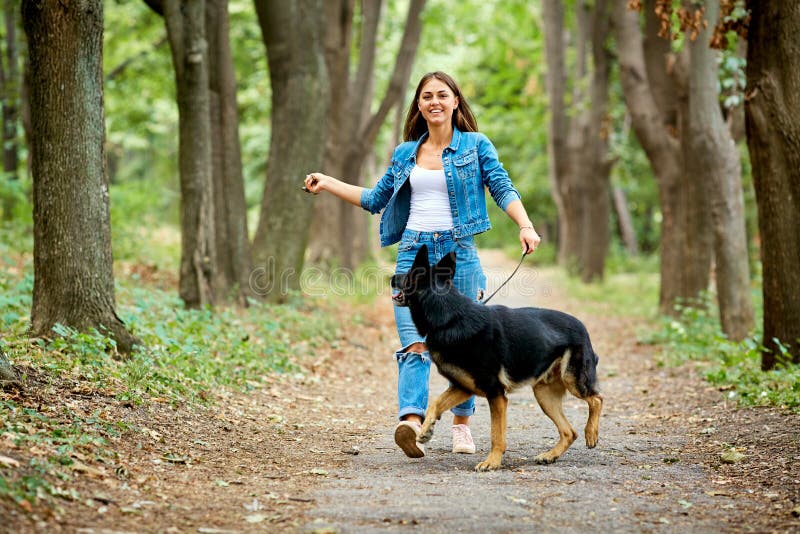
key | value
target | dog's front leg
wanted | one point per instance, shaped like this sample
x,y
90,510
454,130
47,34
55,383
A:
x,y
497,410
452,396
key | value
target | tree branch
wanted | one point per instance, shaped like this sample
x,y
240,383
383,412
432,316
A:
x,y
402,71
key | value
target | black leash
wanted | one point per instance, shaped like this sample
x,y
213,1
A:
x,y
507,279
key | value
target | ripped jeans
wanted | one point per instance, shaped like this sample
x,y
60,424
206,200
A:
x,y
414,368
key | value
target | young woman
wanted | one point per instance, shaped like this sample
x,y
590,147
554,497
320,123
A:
x,y
433,193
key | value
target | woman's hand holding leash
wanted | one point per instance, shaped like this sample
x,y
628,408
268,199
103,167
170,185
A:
x,y
529,239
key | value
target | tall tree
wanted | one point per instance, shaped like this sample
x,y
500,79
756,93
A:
x,y
292,32
185,22
578,137
659,118
230,210
10,87
339,231
772,104
73,267
719,168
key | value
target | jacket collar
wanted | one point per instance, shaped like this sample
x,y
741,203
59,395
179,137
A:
x,y
453,146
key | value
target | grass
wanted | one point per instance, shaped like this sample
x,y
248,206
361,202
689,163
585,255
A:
x,y
188,356
695,335
631,287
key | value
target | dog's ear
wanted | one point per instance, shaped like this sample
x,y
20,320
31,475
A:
x,y
421,267
446,268
421,260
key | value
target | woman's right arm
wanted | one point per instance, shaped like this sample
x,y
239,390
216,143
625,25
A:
x,y
317,182
373,200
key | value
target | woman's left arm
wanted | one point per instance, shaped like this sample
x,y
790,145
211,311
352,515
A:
x,y
527,235
507,197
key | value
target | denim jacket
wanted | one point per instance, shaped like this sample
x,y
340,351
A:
x,y
470,163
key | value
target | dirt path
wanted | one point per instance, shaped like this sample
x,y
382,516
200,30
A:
x,y
314,453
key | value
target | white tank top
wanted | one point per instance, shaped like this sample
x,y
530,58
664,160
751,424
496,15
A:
x,y
430,205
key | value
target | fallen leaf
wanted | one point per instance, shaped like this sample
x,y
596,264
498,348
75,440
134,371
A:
x,y
732,456
317,471
5,461
175,458
685,504
719,493
255,518
221,483
254,507
80,467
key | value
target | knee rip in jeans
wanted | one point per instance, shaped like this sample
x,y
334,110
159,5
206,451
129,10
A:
x,y
401,355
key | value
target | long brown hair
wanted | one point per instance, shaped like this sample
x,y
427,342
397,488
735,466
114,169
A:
x,y
463,118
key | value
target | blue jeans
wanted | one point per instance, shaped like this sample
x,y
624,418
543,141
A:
x,y
414,368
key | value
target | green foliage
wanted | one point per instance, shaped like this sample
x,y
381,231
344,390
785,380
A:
x,y
735,367
142,113
57,439
189,356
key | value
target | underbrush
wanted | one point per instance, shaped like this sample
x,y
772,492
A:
x,y
188,356
735,367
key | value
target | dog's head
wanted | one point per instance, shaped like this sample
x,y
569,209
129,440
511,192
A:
x,y
423,277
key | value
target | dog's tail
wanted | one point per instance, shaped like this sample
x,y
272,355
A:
x,y
583,368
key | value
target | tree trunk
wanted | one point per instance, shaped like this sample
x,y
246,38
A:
x,y
627,233
345,153
186,32
683,252
595,231
578,147
720,176
773,137
73,265
560,168
10,84
292,33
324,246
693,220
230,210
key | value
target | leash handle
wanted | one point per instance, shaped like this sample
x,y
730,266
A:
x,y
509,277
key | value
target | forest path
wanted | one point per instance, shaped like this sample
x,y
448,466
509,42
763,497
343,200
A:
x,y
314,452
657,466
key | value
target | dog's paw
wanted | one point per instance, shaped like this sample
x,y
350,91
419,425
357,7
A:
x,y
591,441
426,433
491,462
545,458
488,465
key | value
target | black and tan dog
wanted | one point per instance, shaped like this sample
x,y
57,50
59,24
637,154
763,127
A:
x,y
491,350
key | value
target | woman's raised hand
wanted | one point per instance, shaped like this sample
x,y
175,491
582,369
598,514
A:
x,y
314,182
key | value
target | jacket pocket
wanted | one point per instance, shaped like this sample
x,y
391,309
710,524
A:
x,y
467,172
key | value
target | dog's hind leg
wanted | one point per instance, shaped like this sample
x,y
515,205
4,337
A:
x,y
594,399
497,409
550,397
451,397
592,430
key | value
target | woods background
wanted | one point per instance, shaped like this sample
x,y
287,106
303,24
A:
x,y
638,132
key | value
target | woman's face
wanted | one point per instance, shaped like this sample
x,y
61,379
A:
x,y
437,102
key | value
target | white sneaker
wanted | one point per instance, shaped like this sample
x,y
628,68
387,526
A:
x,y
405,435
462,440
